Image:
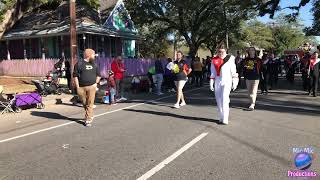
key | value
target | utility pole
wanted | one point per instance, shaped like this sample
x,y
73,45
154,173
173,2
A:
x,y
174,47
226,25
73,39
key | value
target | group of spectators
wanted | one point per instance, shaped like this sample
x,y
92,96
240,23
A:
x,y
172,76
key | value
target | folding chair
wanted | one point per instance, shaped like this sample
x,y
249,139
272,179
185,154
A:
x,y
7,104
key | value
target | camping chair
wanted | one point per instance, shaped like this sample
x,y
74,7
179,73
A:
x,y
7,104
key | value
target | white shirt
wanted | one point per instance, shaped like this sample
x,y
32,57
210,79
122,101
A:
x,y
227,72
170,66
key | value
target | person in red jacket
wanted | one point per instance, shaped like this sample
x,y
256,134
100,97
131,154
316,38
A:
x,y
119,69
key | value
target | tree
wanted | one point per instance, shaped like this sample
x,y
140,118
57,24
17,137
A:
x,y
232,20
287,34
270,7
156,41
315,28
255,33
277,36
195,20
12,10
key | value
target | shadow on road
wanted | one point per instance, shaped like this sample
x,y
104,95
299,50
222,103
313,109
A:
x,y
248,144
173,115
55,116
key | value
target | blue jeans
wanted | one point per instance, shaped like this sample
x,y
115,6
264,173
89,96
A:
x,y
159,78
112,94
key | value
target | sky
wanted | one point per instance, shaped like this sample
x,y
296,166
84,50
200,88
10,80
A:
x,y
305,14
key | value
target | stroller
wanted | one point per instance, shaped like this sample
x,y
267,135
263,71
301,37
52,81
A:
x,y
50,85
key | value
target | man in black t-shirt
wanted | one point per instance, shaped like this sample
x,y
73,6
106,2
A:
x,y
87,75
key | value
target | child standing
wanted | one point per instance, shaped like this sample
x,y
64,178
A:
x,y
135,84
112,87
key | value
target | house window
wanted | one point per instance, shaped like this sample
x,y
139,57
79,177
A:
x,y
16,49
113,47
107,46
35,48
129,48
3,50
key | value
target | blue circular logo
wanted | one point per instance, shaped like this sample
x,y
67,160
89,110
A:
x,y
303,160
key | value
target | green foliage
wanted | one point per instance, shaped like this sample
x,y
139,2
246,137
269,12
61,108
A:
x,y
6,4
92,3
271,6
280,36
156,42
196,20
287,34
315,28
258,34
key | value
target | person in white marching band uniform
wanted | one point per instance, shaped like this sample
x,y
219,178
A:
x,y
224,78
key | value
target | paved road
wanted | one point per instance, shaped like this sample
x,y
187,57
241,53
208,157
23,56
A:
x,y
145,137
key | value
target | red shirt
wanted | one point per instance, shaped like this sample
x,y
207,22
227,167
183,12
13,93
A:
x,y
118,69
313,62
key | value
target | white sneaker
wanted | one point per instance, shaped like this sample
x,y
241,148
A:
x,y
251,108
123,99
183,104
224,123
176,106
94,106
88,124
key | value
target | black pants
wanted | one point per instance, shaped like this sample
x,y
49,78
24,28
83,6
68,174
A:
x,y
192,76
119,88
290,76
305,81
198,78
169,81
314,81
264,80
273,79
69,82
